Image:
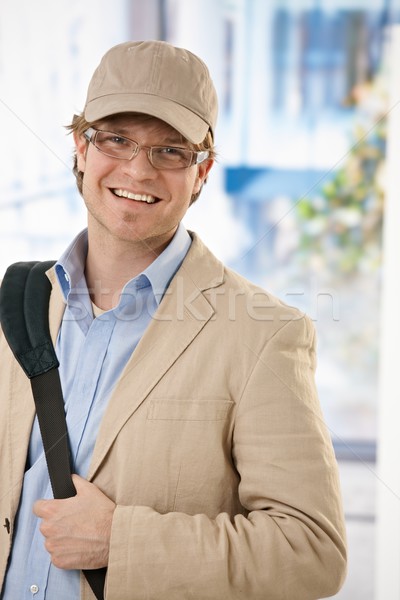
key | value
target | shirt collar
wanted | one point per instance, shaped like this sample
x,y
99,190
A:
x,y
70,267
163,268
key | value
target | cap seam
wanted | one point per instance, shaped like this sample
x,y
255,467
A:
x,y
151,94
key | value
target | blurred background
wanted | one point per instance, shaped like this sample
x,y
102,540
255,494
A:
x,y
295,203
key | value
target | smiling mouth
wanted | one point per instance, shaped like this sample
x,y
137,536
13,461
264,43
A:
x,y
138,197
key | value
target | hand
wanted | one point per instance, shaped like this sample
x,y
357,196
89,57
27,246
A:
x,y
77,530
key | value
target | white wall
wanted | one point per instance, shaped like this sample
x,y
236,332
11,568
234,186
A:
x,y
388,487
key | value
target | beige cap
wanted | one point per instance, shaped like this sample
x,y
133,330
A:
x,y
157,79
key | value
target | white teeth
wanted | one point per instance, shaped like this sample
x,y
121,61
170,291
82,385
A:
x,y
141,197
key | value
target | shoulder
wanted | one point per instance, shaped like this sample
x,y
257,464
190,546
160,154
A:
x,y
245,305
265,312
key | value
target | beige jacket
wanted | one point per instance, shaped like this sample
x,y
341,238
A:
x,y
213,447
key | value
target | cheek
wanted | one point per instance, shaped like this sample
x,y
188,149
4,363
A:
x,y
193,182
92,168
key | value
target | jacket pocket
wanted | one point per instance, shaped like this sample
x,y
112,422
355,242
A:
x,y
189,410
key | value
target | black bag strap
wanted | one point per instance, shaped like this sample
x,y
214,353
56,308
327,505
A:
x,y
24,301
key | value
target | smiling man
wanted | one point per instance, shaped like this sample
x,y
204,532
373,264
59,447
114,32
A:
x,y
202,464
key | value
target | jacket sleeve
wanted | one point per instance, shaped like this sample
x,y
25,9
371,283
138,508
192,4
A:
x,y
290,543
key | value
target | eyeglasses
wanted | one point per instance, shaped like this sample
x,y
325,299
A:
x,y
160,157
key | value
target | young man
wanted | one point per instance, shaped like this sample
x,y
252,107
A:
x,y
202,464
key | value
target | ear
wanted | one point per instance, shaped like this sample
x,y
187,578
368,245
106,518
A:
x,y
203,170
81,146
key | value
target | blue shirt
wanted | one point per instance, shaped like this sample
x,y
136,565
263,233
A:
x,y
92,352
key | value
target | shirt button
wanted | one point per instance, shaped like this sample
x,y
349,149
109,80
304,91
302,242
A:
x,y
34,589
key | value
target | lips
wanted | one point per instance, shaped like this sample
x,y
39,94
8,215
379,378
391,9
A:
x,y
147,198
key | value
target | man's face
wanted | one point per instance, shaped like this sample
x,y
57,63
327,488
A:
x,y
107,181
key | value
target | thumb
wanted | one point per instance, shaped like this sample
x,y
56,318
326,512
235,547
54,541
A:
x,y
81,484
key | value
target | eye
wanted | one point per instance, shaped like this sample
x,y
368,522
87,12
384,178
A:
x,y
168,150
117,140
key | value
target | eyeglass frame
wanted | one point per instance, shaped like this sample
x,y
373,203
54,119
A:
x,y
197,156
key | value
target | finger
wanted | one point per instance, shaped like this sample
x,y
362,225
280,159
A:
x,y
39,507
81,484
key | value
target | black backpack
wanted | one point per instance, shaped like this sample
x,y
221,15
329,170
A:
x,y
24,302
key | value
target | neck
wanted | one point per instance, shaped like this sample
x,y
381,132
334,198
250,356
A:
x,y
109,266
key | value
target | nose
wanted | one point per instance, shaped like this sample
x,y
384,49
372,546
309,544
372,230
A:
x,y
139,166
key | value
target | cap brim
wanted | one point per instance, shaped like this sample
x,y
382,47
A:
x,y
190,125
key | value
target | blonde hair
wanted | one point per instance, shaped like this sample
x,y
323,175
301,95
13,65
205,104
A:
x,y
79,125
